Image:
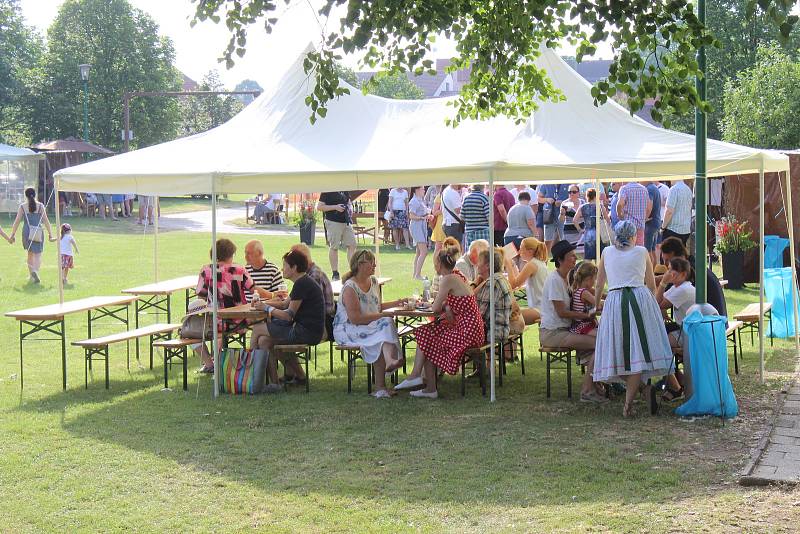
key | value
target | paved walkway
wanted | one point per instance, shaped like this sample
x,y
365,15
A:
x,y
779,459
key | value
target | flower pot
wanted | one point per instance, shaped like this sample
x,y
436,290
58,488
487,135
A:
x,y
733,269
307,232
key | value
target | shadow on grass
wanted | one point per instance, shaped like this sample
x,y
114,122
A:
x,y
521,451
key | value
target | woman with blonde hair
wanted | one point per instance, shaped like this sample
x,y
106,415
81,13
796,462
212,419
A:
x,y
360,320
533,254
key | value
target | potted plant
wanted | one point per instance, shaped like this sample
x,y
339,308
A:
x,y
306,221
733,240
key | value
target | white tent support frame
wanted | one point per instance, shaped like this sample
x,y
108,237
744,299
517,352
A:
x,y
792,263
761,274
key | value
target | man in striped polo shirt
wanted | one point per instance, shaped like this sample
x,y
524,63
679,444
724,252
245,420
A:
x,y
266,275
475,212
634,205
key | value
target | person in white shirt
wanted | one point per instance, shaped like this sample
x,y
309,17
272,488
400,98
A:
x,y
677,220
680,297
398,205
67,249
451,210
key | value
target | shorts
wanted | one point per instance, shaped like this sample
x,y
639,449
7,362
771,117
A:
x,y
651,238
146,201
103,199
339,234
67,262
284,332
554,232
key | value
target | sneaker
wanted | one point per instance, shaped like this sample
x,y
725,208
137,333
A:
x,y
593,398
335,276
422,394
35,277
409,383
271,389
206,370
382,394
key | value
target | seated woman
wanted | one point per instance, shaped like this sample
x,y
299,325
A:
x,y
448,242
233,284
680,297
507,317
532,275
442,343
360,320
298,320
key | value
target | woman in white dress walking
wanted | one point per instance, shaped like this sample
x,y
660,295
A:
x,y
632,344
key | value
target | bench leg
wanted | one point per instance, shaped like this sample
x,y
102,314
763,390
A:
x,y
369,377
308,377
330,353
86,365
166,362
463,378
522,354
569,375
349,370
548,373
105,353
185,368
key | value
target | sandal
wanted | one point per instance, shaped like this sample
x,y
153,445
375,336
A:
x,y
671,395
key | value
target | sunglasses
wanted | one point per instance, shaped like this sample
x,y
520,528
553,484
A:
x,y
573,191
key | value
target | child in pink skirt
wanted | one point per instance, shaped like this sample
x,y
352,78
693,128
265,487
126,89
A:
x,y
583,299
67,248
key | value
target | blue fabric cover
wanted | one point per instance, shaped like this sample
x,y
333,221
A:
x,y
710,379
773,251
778,288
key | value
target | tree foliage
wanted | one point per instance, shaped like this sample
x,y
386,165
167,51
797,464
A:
x,y
20,50
201,113
393,85
501,40
739,36
126,53
763,103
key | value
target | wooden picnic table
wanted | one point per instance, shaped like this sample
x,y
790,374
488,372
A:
x,y
157,297
50,319
242,311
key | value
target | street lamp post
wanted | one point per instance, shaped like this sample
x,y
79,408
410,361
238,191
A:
x,y
84,68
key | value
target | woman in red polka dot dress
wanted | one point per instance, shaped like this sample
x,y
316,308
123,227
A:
x,y
443,342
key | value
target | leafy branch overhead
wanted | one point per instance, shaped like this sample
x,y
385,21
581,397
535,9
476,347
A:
x,y
654,43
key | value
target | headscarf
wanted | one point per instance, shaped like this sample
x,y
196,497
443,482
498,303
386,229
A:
x,y
625,234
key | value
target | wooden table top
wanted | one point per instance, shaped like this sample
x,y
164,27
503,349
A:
x,y
337,285
364,215
165,287
58,311
242,311
402,312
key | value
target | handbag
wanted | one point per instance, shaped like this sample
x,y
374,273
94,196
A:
x,y
461,225
242,371
196,326
35,233
388,215
549,213
605,233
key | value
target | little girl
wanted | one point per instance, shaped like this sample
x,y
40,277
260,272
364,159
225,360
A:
x,y
583,298
66,247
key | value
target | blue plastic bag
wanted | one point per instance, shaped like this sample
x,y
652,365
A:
x,y
708,353
778,289
773,251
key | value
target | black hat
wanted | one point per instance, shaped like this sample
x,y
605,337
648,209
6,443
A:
x,y
560,249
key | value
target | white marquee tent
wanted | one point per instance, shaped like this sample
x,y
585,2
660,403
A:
x,y
367,142
18,167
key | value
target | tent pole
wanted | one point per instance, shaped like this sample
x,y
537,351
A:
x,y
58,244
155,240
492,397
792,263
701,183
761,272
375,238
215,337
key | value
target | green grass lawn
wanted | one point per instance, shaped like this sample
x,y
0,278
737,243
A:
x,y
136,458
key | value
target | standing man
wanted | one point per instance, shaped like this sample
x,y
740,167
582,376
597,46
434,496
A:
x,y
652,227
266,275
503,201
678,217
612,209
451,209
336,209
634,205
550,197
475,212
